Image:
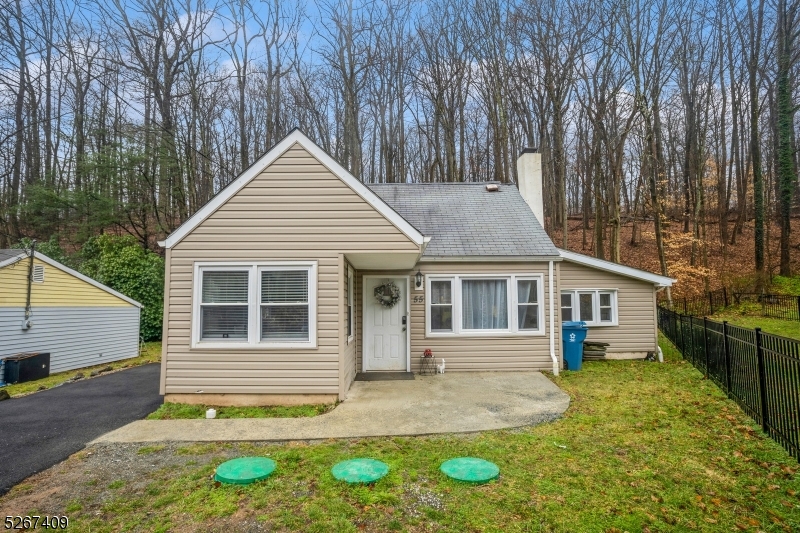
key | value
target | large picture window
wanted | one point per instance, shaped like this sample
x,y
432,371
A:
x,y
596,307
255,305
484,305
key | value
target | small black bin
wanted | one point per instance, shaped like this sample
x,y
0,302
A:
x,y
26,367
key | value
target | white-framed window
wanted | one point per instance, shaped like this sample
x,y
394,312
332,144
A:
x,y
596,307
350,305
481,305
440,305
566,306
255,305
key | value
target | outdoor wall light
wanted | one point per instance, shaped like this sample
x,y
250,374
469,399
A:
x,y
418,279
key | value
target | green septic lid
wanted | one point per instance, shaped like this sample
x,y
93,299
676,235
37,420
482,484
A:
x,y
470,469
244,470
360,470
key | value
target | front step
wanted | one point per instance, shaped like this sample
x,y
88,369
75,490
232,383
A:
x,y
383,376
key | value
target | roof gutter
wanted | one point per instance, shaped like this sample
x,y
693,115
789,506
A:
x,y
490,258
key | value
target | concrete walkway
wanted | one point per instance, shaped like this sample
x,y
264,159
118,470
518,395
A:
x,y
449,403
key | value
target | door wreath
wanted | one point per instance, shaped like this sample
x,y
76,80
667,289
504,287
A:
x,y
387,294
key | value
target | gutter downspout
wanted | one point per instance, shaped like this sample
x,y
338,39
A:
x,y
552,319
28,311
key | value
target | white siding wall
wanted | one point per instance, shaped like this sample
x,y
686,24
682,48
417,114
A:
x,y
76,337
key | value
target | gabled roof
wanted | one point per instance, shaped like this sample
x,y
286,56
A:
x,y
295,137
616,268
9,257
466,221
5,255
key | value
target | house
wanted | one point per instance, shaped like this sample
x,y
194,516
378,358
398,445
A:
x,y
48,307
297,276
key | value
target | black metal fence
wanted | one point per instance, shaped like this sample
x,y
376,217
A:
x,y
770,305
759,371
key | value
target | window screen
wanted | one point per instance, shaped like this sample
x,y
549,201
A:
x,y
441,305
527,304
586,306
566,306
223,307
284,305
606,309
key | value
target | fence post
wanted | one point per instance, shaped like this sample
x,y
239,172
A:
x,y
798,308
725,296
710,303
727,357
705,343
762,382
691,337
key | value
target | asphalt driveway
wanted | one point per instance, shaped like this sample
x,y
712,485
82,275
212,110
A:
x,y
42,429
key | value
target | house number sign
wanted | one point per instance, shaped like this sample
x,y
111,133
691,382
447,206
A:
x,y
419,299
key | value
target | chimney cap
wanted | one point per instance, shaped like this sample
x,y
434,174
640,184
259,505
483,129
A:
x,y
529,150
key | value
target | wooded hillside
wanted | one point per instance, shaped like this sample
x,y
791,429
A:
x,y
128,115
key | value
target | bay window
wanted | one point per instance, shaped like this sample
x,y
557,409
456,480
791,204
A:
x,y
596,307
251,305
484,305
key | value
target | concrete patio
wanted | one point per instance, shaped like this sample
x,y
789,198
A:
x,y
448,403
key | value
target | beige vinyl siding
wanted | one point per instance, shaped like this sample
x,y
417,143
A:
x,y
295,210
59,289
509,353
635,306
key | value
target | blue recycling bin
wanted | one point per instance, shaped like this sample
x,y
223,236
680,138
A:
x,y
572,335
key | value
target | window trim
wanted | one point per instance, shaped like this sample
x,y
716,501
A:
x,y
253,305
511,298
595,305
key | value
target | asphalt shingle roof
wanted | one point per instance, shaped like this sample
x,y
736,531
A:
x,y
464,219
6,254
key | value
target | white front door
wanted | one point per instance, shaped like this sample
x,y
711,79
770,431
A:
x,y
385,333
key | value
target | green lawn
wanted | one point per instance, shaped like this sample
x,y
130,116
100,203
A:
x,y
174,411
151,354
644,447
776,326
